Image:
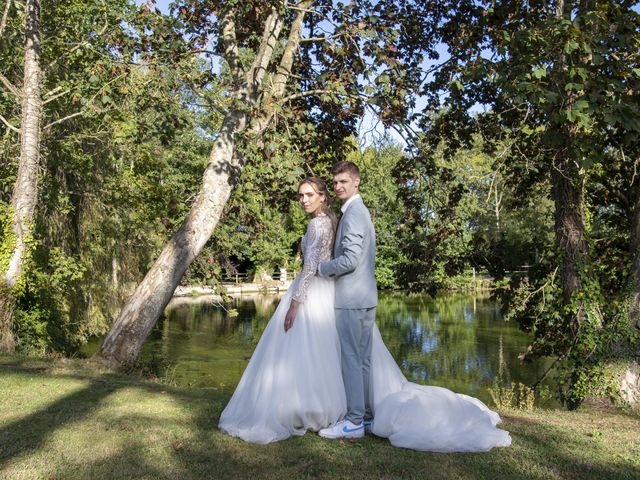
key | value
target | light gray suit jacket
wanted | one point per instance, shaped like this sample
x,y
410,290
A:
x,y
353,265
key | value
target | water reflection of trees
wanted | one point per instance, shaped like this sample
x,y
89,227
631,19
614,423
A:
x,y
252,315
431,339
210,346
456,341
452,340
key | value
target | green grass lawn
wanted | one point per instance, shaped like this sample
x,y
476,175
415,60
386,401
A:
x,y
66,419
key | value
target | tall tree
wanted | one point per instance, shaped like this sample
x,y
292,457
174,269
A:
x,y
53,84
380,44
558,79
25,192
124,341
85,59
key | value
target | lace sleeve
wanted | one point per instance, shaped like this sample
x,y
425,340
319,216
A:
x,y
316,233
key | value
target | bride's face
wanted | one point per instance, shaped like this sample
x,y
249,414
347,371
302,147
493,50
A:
x,y
310,200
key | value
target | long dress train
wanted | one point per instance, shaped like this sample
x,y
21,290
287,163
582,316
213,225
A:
x,y
424,417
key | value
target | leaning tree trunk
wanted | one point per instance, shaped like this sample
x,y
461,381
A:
x,y
25,193
122,345
124,341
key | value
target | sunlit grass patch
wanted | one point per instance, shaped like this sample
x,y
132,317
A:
x,y
71,422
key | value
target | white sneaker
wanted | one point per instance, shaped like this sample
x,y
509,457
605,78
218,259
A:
x,y
343,429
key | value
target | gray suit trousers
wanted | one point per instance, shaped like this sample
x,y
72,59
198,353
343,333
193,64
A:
x,y
355,332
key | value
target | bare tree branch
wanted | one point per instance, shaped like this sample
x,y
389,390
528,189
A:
x,y
371,131
270,35
5,14
11,127
309,93
435,67
10,86
300,77
60,120
306,93
231,54
321,39
77,114
101,89
405,133
61,94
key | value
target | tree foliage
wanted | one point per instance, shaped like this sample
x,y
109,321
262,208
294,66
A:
x,y
116,168
558,81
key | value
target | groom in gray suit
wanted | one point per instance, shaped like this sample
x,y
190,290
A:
x,y
356,299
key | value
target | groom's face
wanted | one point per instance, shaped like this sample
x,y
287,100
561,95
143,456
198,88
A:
x,y
345,186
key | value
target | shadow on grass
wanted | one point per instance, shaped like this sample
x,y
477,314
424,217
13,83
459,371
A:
x,y
29,433
540,451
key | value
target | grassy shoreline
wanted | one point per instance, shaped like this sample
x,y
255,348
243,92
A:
x,y
63,419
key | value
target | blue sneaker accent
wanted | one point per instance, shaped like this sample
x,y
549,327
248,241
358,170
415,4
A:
x,y
343,429
349,430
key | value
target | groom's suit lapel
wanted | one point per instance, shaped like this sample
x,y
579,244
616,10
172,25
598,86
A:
x,y
339,228
338,236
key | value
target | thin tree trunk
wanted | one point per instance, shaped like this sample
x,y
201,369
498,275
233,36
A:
x,y
497,201
5,14
114,272
25,192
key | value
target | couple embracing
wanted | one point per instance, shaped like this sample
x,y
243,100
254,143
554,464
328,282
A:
x,y
321,364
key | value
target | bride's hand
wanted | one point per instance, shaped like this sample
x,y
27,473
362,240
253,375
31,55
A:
x,y
290,317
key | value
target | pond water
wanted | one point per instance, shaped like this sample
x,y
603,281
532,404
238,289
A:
x,y
459,341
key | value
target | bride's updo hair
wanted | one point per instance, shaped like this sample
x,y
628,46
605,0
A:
x,y
320,187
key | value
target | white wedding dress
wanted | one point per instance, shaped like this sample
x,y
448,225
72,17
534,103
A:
x,y
293,382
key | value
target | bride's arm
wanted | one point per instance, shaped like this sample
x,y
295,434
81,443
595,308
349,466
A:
x,y
312,254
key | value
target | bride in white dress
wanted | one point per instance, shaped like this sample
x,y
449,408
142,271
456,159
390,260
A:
x,y
293,382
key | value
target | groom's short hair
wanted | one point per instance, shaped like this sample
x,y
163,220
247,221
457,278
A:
x,y
346,167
